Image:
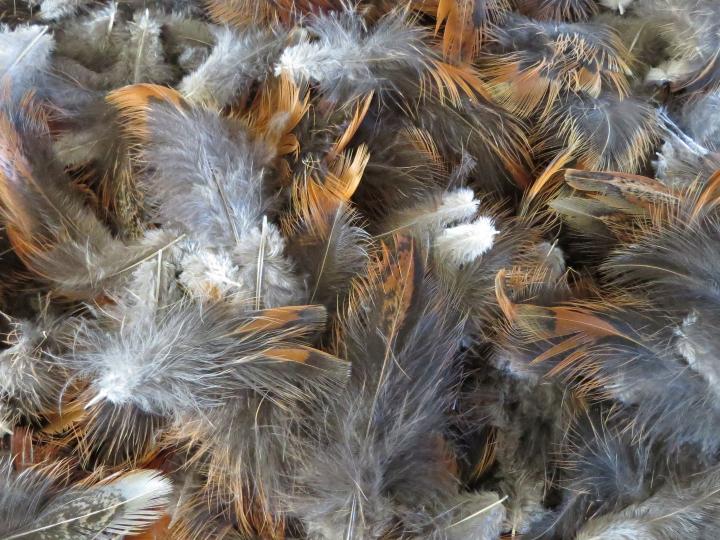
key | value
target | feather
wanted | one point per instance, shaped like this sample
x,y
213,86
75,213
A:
x,y
562,10
50,228
403,169
679,164
434,215
359,270
146,363
699,117
464,23
603,470
189,41
464,243
604,206
501,157
24,60
32,384
94,148
51,10
690,30
619,348
217,189
237,61
216,184
607,133
325,238
278,109
200,515
265,269
675,511
477,515
94,42
141,58
532,64
114,436
355,477
33,507
672,252
240,13
619,5
348,60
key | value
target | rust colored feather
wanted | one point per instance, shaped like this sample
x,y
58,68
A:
x,y
240,13
463,23
397,275
346,173
311,318
134,104
277,111
455,81
709,197
361,110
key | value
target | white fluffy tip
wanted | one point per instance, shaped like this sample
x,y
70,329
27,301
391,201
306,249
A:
x,y
457,205
296,61
464,243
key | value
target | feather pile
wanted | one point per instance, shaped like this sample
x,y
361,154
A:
x,y
312,269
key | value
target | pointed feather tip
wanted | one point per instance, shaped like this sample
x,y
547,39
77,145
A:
x,y
145,495
149,485
311,318
330,366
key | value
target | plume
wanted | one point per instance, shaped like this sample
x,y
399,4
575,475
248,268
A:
x,y
560,10
51,229
619,5
673,512
605,133
89,40
147,364
57,9
464,23
34,506
325,237
347,60
237,61
438,269
141,58
24,60
189,41
603,349
501,159
603,208
404,168
354,479
243,12
218,190
216,185
32,380
531,65
690,30
93,147
602,470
